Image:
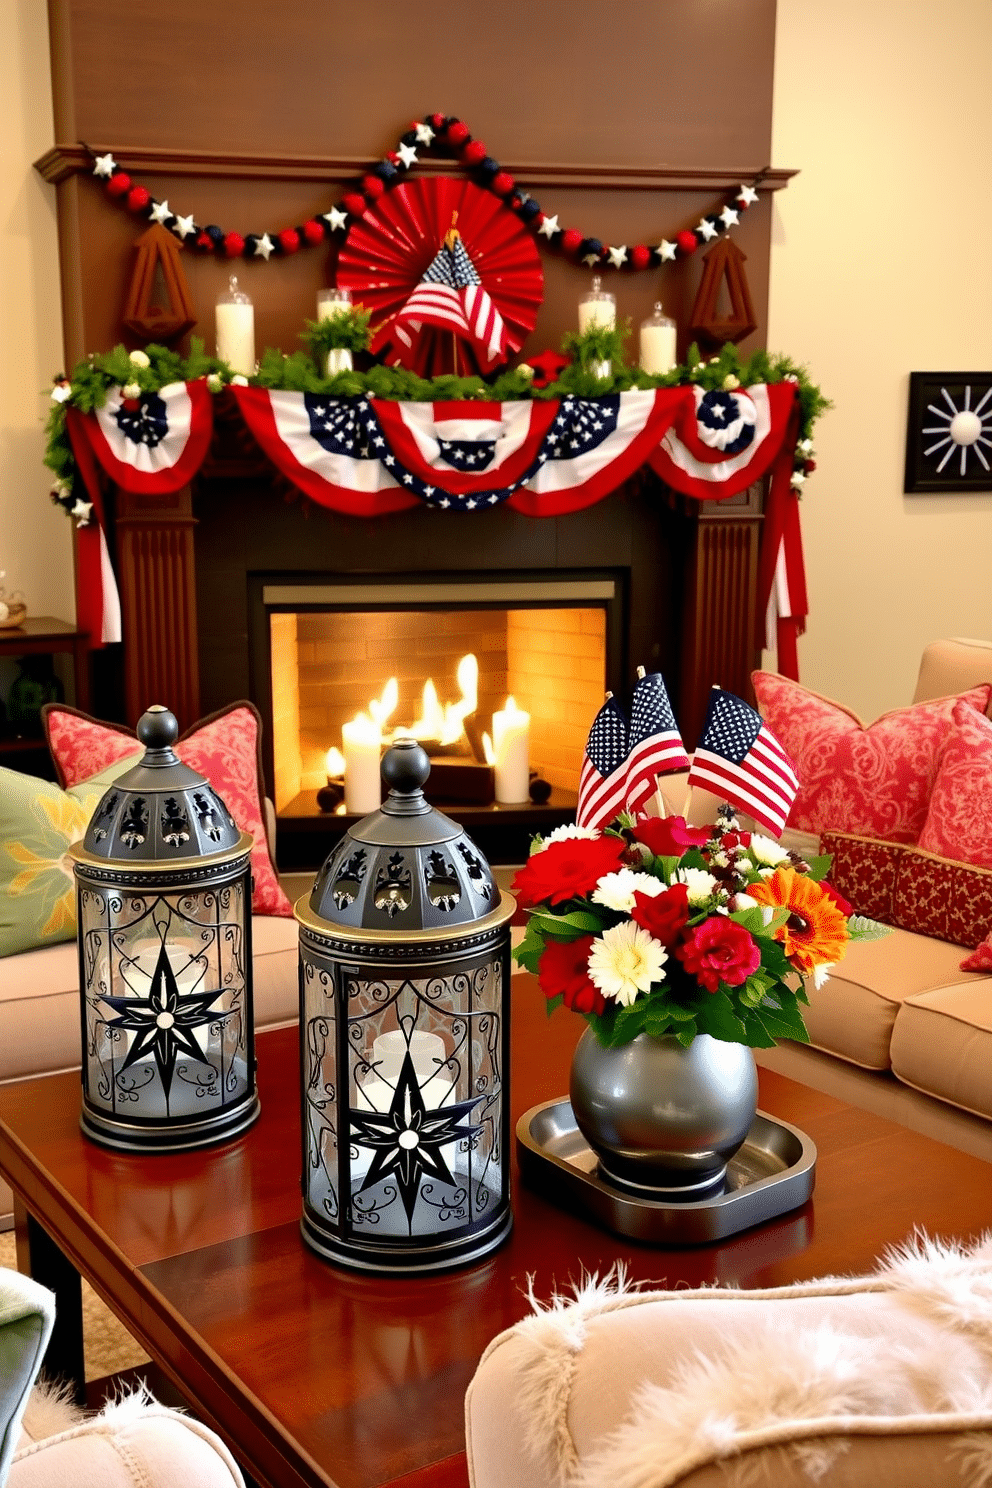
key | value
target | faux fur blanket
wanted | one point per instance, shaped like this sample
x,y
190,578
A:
x,y
806,1390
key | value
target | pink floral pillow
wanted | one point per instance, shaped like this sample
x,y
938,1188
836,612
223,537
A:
x,y
959,822
224,748
874,781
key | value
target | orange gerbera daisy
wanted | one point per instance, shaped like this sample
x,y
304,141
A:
x,y
815,934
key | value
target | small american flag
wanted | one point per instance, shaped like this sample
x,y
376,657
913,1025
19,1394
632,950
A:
x,y
603,781
655,742
451,296
740,760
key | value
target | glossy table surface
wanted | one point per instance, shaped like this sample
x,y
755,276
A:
x,y
317,1375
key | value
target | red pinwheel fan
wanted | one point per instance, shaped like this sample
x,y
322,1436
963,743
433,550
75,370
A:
x,y
452,278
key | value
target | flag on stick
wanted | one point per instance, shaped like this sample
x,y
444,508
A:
x,y
740,760
655,742
603,780
450,295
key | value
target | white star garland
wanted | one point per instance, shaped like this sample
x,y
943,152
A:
x,y
392,168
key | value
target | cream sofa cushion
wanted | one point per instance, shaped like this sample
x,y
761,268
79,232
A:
x,y
942,1044
952,666
853,1013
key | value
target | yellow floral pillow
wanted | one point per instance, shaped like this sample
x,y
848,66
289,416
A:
x,y
39,822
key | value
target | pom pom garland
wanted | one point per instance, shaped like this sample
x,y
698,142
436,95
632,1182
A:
x,y
433,131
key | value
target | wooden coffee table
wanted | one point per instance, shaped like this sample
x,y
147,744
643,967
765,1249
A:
x,y
317,1375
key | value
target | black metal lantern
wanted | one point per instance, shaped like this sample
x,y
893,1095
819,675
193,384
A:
x,y
163,893
404,1040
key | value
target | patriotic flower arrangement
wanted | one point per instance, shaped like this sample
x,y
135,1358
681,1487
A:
x,y
653,926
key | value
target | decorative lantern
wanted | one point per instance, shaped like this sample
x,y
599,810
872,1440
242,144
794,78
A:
x,y
404,1040
163,890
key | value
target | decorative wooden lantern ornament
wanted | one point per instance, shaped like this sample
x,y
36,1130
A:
x,y
157,251
724,261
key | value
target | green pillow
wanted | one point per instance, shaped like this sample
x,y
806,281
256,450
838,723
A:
x,y
39,822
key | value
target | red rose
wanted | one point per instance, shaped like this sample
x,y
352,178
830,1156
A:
x,y
567,870
668,836
718,951
665,915
845,908
730,840
563,970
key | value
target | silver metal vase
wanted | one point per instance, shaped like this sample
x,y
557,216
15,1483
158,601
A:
x,y
664,1120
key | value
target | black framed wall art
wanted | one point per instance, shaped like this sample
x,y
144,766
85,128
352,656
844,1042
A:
x,y
949,432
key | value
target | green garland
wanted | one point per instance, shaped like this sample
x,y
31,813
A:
x,y
154,368
346,330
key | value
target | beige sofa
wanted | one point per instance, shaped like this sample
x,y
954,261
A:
x,y
39,999
899,1028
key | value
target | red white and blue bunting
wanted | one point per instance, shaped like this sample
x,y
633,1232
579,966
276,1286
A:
x,y
367,456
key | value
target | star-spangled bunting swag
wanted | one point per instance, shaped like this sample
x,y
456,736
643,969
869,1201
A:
x,y
603,778
655,742
740,760
451,297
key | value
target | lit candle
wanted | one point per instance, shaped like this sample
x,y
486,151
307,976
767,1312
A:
x,y
377,1090
331,302
658,343
235,329
597,308
511,744
362,780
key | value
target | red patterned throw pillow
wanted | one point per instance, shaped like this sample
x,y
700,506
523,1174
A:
x,y
874,781
911,889
224,748
959,821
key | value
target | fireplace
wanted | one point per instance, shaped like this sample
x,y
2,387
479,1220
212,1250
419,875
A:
x,y
336,647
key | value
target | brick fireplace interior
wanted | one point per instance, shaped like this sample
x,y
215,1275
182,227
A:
x,y
328,663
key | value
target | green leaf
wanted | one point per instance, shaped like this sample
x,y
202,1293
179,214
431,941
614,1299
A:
x,y
717,1017
568,926
782,1024
819,866
859,927
554,1002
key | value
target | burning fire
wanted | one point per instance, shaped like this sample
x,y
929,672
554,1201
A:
x,y
439,723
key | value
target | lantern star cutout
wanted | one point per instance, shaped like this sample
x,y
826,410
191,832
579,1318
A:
x,y
406,1140
264,247
549,227
161,212
183,226
666,251
618,256
164,1022
746,196
104,165
407,154
335,219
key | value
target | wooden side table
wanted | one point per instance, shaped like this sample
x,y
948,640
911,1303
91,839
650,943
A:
x,y
41,635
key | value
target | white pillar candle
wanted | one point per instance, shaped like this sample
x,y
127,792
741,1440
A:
x,y
362,780
598,307
658,353
511,743
235,330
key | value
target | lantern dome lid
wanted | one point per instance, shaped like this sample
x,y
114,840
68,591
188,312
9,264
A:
x,y
405,867
160,811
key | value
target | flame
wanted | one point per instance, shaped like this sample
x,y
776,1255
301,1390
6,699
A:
x,y
382,707
444,723
335,764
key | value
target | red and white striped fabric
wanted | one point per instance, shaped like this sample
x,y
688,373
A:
x,y
655,742
451,297
603,778
740,760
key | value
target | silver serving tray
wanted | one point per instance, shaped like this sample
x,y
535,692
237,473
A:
x,y
772,1173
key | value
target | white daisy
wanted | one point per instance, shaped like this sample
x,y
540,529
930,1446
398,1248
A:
x,y
617,890
701,885
766,850
740,902
624,961
821,974
562,834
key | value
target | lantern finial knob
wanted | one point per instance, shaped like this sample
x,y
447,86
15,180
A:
x,y
405,767
158,728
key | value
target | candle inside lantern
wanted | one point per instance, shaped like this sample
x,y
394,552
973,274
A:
x,y
235,329
511,744
362,780
598,307
332,302
658,343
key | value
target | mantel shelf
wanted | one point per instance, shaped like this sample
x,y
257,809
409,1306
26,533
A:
x,y
66,160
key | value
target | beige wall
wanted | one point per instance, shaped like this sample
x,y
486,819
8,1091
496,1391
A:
x,y
881,266
35,538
